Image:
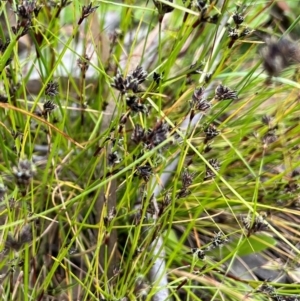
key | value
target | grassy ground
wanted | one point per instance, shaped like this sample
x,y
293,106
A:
x,y
149,150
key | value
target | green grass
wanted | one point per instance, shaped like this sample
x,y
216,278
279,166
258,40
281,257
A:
x,y
90,210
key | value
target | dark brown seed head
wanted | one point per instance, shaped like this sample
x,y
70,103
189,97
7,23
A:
x,y
138,135
209,173
278,55
86,11
131,81
144,172
238,19
51,89
24,172
162,7
223,92
210,132
199,253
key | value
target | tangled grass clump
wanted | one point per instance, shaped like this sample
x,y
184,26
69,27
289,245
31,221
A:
x,y
149,150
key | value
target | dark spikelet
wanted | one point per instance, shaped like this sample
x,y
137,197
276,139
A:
x,y
233,33
84,63
131,82
138,135
166,202
25,235
209,174
278,55
135,106
223,92
203,105
119,83
21,29
27,9
144,172
162,7
198,94
198,102
210,132
123,119
157,77
271,292
238,19
48,106
183,193
201,6
198,252
111,215
267,289
11,243
218,241
4,45
86,11
51,89
269,137
113,158
151,137
266,119
24,172
3,99
139,74
246,32
157,135
187,178
259,224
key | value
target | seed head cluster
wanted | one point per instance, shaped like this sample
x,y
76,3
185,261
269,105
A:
x,y
271,292
162,7
131,82
86,11
84,63
166,202
133,103
111,215
239,31
144,172
270,135
48,107
209,173
199,253
151,137
279,54
218,241
198,102
253,226
204,12
4,45
24,172
210,132
238,18
223,92
26,11
187,180
24,236
113,158
51,89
